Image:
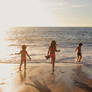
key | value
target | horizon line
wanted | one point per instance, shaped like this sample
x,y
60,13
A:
x,y
51,26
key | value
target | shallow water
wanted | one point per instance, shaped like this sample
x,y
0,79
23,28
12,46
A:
x,y
38,39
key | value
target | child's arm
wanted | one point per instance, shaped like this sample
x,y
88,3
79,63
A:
x,y
29,56
18,53
57,50
48,51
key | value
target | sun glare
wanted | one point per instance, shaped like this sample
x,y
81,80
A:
x,y
3,44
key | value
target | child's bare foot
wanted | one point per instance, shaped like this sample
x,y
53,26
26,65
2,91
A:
x,y
52,73
79,61
76,62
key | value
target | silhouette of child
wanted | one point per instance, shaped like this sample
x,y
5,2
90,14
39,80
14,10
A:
x,y
23,53
79,54
51,53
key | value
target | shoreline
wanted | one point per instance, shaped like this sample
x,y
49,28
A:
x,y
38,78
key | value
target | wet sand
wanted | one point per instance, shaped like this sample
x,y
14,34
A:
x,y
38,78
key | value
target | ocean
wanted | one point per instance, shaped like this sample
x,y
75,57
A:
x,y
38,39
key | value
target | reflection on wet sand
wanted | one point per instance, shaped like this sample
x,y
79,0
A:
x,y
40,79
77,72
41,86
81,80
52,77
22,76
57,82
83,86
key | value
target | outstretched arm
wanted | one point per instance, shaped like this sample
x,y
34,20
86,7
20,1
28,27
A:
x,y
18,53
29,56
57,50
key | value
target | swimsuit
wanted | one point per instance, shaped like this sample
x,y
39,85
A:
x,y
52,53
52,56
79,54
23,56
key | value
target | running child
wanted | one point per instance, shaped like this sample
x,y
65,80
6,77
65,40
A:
x,y
51,53
23,53
79,54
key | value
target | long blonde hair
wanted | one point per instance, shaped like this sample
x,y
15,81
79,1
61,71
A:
x,y
53,44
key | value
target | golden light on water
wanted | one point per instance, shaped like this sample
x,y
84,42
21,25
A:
x,y
4,49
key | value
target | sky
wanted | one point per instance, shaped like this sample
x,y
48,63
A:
x,y
45,13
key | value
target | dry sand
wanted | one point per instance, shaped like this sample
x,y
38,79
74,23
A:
x,y
38,78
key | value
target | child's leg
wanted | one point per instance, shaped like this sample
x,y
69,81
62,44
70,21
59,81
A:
x,y
24,73
24,64
80,58
20,65
53,64
77,58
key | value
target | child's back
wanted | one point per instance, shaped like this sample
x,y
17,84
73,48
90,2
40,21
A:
x,y
79,49
79,54
23,53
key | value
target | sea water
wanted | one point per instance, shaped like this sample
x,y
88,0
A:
x,y
38,40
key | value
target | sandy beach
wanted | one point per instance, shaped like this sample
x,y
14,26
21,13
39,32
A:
x,y
68,77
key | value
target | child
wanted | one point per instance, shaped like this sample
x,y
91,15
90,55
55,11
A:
x,y
51,52
23,53
79,54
